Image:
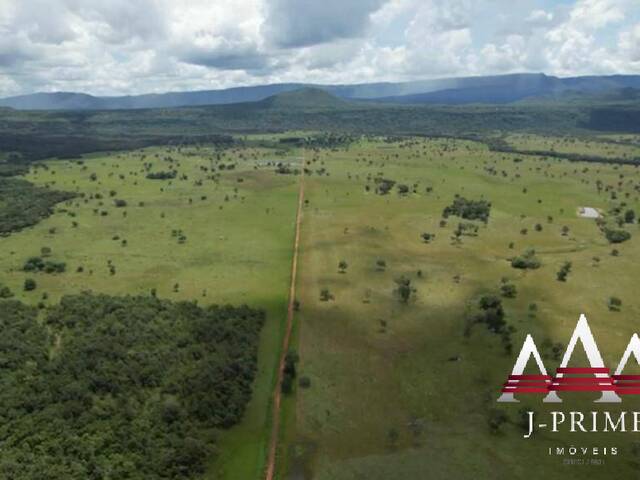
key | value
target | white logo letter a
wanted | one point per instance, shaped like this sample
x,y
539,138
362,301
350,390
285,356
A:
x,y
528,349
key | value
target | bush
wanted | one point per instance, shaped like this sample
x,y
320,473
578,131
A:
x,y
404,289
289,371
527,260
5,292
492,314
37,264
403,189
304,382
614,304
629,216
325,295
468,209
384,185
162,175
496,419
428,237
508,290
563,272
616,236
30,284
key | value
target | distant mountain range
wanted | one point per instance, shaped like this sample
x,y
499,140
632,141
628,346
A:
x,y
499,89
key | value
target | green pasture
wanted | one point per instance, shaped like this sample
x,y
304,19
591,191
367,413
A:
x,y
623,147
398,391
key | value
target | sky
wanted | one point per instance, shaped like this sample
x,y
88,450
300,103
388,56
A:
x,y
119,47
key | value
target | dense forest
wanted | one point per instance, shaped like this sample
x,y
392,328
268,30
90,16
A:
x,y
23,204
26,136
120,387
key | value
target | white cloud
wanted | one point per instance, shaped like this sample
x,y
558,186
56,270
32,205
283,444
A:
x,y
300,23
594,14
629,43
120,46
573,46
539,17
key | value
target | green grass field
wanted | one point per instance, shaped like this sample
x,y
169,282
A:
x,y
386,401
396,390
623,147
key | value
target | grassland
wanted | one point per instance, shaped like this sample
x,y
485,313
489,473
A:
x,y
609,147
398,390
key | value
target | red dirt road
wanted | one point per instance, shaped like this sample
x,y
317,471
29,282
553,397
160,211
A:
x,y
275,429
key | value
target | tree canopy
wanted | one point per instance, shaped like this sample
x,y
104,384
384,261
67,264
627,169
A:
x,y
121,387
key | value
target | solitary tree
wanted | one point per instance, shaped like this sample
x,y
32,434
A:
x,y
29,284
629,216
405,290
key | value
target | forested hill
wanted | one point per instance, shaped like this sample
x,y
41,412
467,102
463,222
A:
x,y
28,136
480,89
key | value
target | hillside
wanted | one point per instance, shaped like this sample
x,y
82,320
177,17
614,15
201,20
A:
x,y
304,98
450,91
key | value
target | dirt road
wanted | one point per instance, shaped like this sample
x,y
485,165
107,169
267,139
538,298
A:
x,y
275,429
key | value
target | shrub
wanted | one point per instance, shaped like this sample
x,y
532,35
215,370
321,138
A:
x,y
162,175
304,382
614,304
384,185
616,236
563,272
527,260
37,264
404,289
468,209
5,292
508,290
629,216
30,284
492,313
325,295
496,419
428,237
403,189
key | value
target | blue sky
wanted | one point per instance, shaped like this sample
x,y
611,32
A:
x,y
116,47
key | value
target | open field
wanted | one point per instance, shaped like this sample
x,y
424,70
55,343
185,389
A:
x,y
405,390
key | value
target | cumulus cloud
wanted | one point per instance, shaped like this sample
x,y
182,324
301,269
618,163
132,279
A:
x,y
539,17
574,45
629,43
121,47
299,23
